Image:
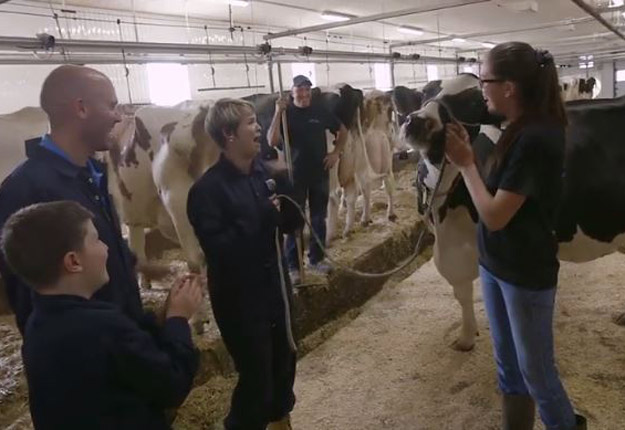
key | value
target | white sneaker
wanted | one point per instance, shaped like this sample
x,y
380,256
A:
x,y
322,268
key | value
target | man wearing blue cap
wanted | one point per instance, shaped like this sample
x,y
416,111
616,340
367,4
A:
x,y
307,125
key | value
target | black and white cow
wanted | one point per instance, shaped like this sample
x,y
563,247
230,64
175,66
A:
x,y
577,88
405,102
591,220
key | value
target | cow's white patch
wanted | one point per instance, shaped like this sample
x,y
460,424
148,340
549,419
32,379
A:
x,y
17,127
583,248
457,85
334,89
430,110
492,132
433,174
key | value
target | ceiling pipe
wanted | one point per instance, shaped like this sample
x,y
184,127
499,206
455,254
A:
x,y
75,45
77,59
610,9
596,15
495,33
371,18
180,49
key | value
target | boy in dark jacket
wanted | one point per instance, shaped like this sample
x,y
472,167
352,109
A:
x,y
88,365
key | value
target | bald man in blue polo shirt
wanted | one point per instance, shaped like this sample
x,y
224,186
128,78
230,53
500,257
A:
x,y
81,105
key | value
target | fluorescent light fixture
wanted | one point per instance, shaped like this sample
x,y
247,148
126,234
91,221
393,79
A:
x,y
239,3
488,45
458,40
336,16
616,3
410,30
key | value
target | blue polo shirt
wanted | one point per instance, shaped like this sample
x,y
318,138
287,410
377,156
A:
x,y
48,143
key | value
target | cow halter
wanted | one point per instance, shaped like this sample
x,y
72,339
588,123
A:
x,y
450,113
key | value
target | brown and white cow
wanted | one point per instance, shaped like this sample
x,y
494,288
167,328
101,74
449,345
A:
x,y
377,158
168,150
367,156
591,219
31,123
15,129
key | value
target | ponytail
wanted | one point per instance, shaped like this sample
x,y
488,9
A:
x,y
536,77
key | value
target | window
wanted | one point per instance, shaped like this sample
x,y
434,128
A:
x,y
470,69
306,69
168,83
383,80
432,72
620,75
586,62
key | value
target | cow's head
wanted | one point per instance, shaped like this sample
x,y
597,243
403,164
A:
x,y
586,87
431,90
406,101
459,98
578,88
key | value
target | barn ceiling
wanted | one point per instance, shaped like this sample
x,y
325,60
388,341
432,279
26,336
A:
x,y
559,25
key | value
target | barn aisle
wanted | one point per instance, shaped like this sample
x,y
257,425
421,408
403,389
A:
x,y
391,367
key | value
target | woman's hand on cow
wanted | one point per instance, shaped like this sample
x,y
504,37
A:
x,y
457,146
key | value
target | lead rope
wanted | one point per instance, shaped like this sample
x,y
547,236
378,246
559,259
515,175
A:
x,y
285,295
352,271
336,264
349,270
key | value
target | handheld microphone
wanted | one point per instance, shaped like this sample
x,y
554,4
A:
x,y
271,185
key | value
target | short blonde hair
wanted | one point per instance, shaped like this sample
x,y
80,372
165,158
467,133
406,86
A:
x,y
224,118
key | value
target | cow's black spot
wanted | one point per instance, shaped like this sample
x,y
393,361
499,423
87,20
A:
x,y
483,148
431,90
594,182
167,130
406,101
142,135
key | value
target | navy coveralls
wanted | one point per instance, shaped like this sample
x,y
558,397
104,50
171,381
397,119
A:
x,y
235,223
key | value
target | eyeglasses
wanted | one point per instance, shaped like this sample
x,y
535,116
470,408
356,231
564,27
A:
x,y
489,81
